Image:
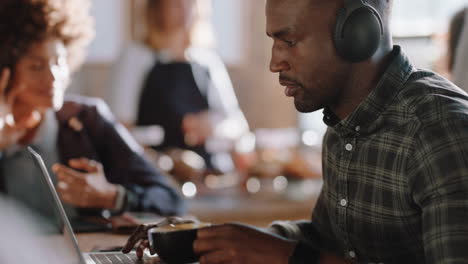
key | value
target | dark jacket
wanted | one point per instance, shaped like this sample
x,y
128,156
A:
x,y
88,129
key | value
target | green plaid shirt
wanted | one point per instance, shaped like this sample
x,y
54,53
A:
x,y
395,175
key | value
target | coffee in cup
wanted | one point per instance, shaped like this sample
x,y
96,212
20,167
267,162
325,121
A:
x,y
174,243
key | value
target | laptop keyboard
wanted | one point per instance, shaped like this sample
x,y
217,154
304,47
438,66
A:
x,y
115,258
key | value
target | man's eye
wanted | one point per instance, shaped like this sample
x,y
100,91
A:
x,y
290,43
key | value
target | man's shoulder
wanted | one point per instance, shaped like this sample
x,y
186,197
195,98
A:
x,y
436,112
432,98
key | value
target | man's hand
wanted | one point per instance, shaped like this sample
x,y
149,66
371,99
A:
x,y
140,236
235,243
86,188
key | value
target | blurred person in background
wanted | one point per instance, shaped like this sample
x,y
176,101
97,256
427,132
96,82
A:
x,y
454,35
98,166
458,49
172,81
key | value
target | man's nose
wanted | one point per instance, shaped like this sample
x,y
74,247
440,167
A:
x,y
278,63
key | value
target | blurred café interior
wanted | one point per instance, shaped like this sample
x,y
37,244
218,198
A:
x,y
265,163
273,170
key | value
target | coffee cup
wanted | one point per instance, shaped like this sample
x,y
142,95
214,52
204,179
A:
x,y
174,243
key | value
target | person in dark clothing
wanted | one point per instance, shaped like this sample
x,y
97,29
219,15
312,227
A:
x,y
171,94
457,47
97,165
173,81
454,36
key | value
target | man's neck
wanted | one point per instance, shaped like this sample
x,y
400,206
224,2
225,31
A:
x,y
365,77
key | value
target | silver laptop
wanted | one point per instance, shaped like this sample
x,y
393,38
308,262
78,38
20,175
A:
x,y
65,233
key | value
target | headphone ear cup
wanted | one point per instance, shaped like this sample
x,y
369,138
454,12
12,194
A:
x,y
357,35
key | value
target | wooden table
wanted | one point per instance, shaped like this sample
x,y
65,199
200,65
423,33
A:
x,y
258,209
254,210
228,206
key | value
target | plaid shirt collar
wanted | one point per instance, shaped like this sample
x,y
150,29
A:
x,y
362,119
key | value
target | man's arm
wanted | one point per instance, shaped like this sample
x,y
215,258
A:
x,y
308,249
315,239
439,180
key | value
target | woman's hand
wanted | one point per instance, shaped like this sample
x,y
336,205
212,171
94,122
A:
x,y
84,184
12,128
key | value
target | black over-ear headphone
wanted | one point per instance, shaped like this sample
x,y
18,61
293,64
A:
x,y
358,31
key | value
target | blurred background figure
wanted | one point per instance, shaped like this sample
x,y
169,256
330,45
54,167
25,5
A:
x,y
458,49
98,166
454,35
173,90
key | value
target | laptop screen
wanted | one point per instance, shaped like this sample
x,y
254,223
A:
x,y
57,232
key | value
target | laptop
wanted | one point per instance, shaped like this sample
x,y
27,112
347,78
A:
x,y
65,235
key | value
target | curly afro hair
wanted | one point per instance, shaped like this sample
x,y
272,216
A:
x,y
26,22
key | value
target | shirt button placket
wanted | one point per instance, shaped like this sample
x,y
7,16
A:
x,y
343,203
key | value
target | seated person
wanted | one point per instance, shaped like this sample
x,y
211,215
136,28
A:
x,y
458,49
170,81
97,164
395,155
454,34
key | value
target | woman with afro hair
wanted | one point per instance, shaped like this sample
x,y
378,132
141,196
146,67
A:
x,y
97,166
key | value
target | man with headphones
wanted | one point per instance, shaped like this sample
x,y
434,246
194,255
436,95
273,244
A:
x,y
395,155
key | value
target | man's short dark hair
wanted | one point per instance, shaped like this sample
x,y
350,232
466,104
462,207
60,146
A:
x,y
384,7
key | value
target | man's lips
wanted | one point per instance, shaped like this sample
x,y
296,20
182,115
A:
x,y
291,88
